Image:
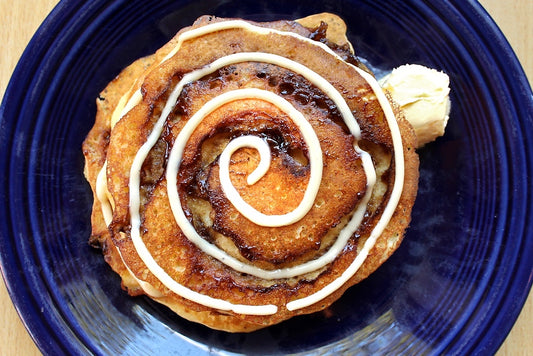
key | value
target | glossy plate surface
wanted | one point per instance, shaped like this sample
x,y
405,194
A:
x,y
457,283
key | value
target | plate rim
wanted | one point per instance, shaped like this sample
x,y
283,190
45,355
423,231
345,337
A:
x,y
53,22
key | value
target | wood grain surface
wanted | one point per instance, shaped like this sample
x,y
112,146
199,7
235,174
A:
x,y
21,18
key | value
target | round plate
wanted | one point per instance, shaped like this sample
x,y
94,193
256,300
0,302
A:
x,y
457,283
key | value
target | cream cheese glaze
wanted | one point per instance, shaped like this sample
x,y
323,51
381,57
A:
x,y
127,104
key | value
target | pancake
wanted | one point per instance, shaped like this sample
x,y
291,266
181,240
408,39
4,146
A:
x,y
247,173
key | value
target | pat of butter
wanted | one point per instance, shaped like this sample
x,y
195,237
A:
x,y
423,95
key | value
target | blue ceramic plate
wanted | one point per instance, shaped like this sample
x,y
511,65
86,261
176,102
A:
x,y
455,286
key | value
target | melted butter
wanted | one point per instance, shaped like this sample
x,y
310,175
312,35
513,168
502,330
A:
x,y
345,233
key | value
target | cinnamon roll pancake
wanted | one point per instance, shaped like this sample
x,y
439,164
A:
x,y
249,172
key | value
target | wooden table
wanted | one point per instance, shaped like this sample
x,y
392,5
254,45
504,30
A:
x,y
20,19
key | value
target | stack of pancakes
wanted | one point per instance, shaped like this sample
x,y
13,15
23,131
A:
x,y
169,225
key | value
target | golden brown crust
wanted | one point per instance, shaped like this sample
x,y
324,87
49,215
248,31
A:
x,y
199,186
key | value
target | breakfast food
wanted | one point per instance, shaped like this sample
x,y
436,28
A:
x,y
249,172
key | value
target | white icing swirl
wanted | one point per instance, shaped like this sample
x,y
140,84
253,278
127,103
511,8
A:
x,y
255,142
233,196
246,141
262,168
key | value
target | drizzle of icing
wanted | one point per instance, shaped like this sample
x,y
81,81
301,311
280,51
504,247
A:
x,y
344,235
251,142
233,196
315,162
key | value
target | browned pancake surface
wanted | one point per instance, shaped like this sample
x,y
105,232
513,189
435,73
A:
x,y
278,192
